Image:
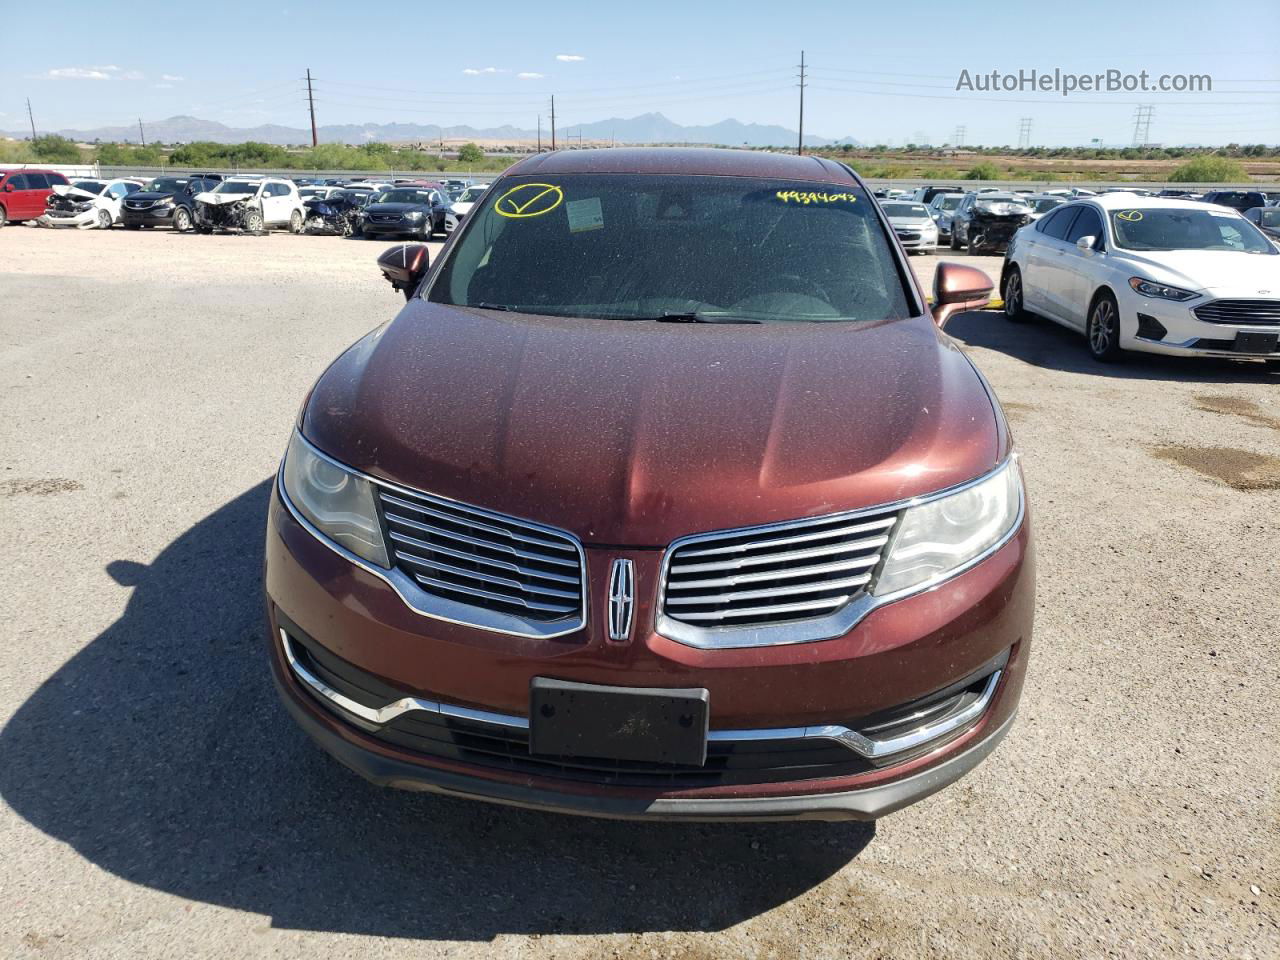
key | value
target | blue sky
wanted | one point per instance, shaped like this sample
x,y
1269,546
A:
x,y
881,73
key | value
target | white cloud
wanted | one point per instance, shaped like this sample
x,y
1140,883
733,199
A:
x,y
134,75
529,76
163,86
76,73
170,78
475,72
569,57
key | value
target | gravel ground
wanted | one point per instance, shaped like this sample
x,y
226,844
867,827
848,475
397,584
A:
x,y
157,802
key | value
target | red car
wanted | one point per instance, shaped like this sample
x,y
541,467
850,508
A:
x,y
24,193
664,496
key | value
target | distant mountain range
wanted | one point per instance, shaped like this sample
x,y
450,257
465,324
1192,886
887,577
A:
x,y
646,128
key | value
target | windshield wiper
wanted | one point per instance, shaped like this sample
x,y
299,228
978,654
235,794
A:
x,y
693,316
493,306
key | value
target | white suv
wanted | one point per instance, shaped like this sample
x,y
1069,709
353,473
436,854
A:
x,y
1146,273
250,204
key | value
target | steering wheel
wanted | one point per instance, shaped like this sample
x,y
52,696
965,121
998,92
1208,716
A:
x,y
799,284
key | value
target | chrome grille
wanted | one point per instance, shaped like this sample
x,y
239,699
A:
x,y
1240,311
772,575
385,217
468,555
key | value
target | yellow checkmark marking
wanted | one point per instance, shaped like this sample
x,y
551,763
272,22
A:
x,y
529,200
1131,215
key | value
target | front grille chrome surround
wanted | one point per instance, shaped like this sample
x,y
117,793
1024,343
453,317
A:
x,y
1253,312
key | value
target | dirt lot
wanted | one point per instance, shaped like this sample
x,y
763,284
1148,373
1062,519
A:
x,y
155,801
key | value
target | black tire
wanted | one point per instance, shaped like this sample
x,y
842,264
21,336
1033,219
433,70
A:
x,y
104,220
955,240
295,222
201,229
253,222
1102,330
182,219
4,216
972,245
133,226
1015,310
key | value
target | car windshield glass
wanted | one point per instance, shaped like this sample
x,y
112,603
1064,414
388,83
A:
x,y
167,185
403,196
701,247
1176,229
916,210
1044,206
949,203
1270,218
471,194
236,186
90,186
312,191
358,197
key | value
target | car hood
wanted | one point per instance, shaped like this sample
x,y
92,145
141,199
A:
x,y
462,207
911,223
637,433
75,193
397,207
1214,271
218,199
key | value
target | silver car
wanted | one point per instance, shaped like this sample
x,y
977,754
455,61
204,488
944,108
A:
x,y
941,208
911,222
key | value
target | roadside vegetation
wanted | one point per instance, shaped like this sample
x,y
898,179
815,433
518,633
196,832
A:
x,y
1233,163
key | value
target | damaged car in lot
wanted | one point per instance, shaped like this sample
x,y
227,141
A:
x,y
250,205
87,204
665,495
338,213
166,202
984,222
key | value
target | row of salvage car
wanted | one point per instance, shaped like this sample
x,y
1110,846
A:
x,y
209,202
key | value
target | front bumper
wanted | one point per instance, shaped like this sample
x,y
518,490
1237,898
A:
x,y
148,217
921,242
1186,335
85,218
900,652
396,228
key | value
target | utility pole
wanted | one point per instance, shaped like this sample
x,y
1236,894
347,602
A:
x,y
311,102
1024,133
31,118
142,137
553,121
1142,124
802,85
539,133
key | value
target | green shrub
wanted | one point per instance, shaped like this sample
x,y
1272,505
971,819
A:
x,y
983,171
55,149
1210,169
470,153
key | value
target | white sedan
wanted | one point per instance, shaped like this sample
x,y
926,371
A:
x,y
87,203
1150,274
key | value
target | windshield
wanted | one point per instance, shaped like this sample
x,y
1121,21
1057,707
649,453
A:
x,y
90,186
1269,217
403,196
950,202
313,191
644,246
236,186
908,210
167,185
471,194
1044,206
1181,229
358,197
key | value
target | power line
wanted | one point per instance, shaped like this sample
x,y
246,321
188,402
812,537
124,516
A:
x,y
801,85
311,102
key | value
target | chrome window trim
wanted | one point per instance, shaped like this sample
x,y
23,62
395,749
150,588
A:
x,y
841,621
854,741
427,604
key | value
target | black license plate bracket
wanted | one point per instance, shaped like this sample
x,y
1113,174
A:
x,y
643,724
1256,342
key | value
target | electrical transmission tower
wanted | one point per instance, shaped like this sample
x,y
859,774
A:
x,y
801,85
1142,124
1024,133
958,139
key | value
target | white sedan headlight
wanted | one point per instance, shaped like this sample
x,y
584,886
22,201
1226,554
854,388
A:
x,y
336,501
939,538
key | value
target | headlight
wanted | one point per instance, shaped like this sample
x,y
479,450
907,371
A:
x,y
1149,288
414,214
164,202
339,503
941,537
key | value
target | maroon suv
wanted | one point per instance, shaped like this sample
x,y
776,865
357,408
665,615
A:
x,y
25,193
566,534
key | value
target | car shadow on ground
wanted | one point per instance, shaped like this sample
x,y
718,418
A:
x,y
160,753
1044,343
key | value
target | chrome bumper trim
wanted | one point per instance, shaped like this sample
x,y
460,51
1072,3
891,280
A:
x,y
853,740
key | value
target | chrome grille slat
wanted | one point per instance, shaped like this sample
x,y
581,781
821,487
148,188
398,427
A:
x,y
1240,311
477,524
798,538
500,597
488,561
769,576
703,598
757,559
486,545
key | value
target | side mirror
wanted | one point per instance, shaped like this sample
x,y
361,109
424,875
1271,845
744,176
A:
x,y
1085,244
8,188
404,266
957,288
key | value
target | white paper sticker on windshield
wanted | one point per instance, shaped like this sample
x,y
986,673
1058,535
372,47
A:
x,y
585,215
